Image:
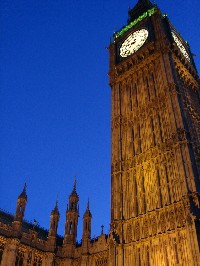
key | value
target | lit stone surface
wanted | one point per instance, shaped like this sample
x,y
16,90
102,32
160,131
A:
x,y
155,208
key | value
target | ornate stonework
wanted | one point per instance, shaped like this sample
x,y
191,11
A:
x,y
155,171
155,150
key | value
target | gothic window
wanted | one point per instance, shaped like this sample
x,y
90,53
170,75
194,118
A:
x,y
37,261
153,80
1,251
153,132
137,231
19,259
180,214
154,226
139,140
159,186
176,251
133,138
148,89
29,258
40,262
55,263
85,225
160,127
172,220
162,222
139,257
146,230
131,97
129,233
148,256
136,98
70,228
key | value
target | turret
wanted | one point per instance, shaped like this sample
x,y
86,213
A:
x,y
72,214
87,222
54,219
87,218
20,209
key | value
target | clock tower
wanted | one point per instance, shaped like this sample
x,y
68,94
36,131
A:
x,y
155,207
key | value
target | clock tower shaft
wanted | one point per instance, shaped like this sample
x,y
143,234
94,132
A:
x,y
155,149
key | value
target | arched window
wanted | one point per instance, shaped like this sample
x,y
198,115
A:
x,y
70,228
37,261
1,251
19,259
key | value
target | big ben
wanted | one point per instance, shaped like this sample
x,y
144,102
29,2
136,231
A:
x,y
155,176
155,171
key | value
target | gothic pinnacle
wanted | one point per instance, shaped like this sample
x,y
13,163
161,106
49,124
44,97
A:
x,y
23,194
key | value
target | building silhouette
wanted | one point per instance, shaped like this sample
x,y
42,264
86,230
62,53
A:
x,y
155,172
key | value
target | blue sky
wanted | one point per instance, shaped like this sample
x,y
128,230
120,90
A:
x,y
55,100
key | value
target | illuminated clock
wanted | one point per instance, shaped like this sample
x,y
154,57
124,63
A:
x,y
133,42
180,45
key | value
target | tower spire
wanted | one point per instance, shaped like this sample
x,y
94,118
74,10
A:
x,y
54,219
23,194
20,209
72,215
88,204
87,218
75,182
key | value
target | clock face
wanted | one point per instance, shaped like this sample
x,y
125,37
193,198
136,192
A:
x,y
180,45
133,42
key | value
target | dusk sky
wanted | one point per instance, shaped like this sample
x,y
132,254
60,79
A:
x,y
55,100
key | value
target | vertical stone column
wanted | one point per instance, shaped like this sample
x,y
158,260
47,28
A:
x,y
47,260
25,258
85,260
9,254
112,255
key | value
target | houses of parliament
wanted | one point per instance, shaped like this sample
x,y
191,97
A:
x,y
155,171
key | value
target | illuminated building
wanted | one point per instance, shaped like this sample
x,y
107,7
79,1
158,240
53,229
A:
x,y
155,212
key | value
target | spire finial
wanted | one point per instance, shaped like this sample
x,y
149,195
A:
x,y
102,227
74,189
56,207
34,223
23,194
88,204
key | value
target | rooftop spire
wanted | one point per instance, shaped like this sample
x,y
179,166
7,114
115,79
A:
x,y
88,204
74,193
74,188
23,194
56,206
55,210
87,212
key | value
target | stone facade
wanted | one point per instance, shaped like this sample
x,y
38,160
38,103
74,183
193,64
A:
x,y
155,145
25,244
155,173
